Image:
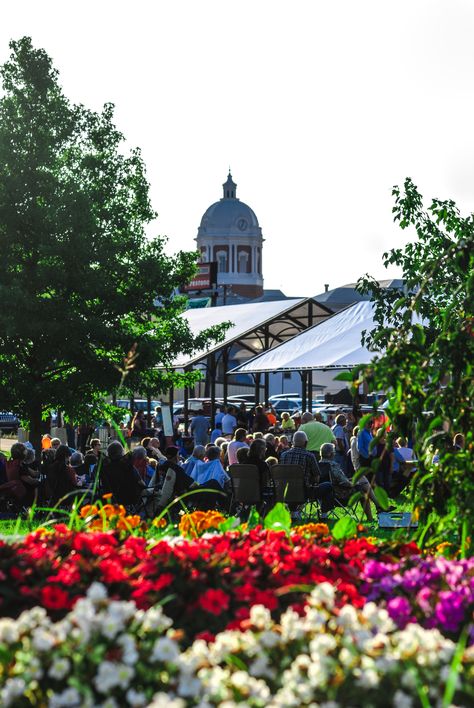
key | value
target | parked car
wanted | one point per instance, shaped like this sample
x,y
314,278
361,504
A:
x,y
9,422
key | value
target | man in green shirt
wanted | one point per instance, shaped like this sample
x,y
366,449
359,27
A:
x,y
317,433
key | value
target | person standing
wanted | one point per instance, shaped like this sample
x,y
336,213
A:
x,y
199,428
229,422
316,432
342,444
238,442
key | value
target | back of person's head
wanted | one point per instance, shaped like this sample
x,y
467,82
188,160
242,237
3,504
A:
x,y
94,442
307,417
171,452
199,452
77,459
145,442
240,434
55,442
318,417
327,451
242,455
217,442
271,461
18,451
223,446
355,431
340,419
269,438
258,435
63,453
258,448
213,453
258,410
138,453
300,439
30,456
283,440
115,450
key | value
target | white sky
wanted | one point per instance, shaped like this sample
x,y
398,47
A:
x,y
318,106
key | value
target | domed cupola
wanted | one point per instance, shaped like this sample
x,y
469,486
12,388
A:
x,y
230,234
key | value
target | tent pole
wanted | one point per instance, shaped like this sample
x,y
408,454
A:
x,y
310,391
212,375
303,390
257,388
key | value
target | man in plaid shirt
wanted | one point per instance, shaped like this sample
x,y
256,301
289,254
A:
x,y
299,455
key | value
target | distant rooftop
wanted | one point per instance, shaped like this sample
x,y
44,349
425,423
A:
x,y
340,297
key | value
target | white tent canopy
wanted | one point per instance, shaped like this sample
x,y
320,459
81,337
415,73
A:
x,y
332,344
281,320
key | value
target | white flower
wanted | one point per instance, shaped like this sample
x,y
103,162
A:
x,y
165,649
97,592
42,640
347,617
269,639
111,675
13,688
109,703
323,593
260,617
69,697
154,620
129,649
165,700
402,700
59,668
135,698
9,633
189,685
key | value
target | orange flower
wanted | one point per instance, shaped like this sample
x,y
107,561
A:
x,y
133,521
88,510
160,523
197,522
107,496
312,529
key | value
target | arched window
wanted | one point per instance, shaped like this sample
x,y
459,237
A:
x,y
243,259
221,261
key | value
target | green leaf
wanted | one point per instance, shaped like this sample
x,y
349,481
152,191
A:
x,y
419,335
382,497
365,419
254,518
278,518
354,499
344,376
344,528
232,522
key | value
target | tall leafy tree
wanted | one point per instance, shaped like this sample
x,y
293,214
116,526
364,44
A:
x,y
425,332
80,282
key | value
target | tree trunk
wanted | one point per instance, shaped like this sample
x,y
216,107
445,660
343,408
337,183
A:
x,y
35,427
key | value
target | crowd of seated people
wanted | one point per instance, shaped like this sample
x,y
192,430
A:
x,y
337,460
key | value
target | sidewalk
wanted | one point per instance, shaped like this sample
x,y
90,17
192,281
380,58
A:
x,y
6,443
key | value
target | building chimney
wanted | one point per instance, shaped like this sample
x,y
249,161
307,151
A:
x,y
326,287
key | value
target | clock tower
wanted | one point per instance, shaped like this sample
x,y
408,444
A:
x,y
229,234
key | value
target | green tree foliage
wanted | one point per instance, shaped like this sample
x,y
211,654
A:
x,y
80,282
426,334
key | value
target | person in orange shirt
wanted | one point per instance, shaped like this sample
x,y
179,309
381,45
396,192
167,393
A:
x,y
270,413
46,442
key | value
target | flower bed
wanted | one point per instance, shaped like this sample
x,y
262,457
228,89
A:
x,y
120,613
110,653
211,581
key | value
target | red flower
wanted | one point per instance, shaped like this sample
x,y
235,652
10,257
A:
x,y
112,571
163,582
214,601
54,598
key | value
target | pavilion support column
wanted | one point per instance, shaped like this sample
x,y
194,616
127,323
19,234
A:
x,y
304,390
266,386
310,390
212,378
225,363
257,388
169,441
186,406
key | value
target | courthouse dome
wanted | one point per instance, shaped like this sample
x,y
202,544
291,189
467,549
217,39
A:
x,y
229,215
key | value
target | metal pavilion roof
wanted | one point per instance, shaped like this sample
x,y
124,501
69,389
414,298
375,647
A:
x,y
255,327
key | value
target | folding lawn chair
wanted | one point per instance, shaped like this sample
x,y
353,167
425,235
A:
x,y
339,506
290,489
246,490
